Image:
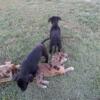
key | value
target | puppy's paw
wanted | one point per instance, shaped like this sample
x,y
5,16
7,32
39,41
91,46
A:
x,y
45,82
42,86
69,69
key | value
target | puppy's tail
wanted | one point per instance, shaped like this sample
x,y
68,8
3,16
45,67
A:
x,y
45,40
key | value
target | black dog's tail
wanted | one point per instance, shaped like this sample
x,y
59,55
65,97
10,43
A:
x,y
61,37
45,40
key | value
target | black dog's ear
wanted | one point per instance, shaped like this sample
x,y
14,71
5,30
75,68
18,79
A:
x,y
49,20
59,18
22,84
30,78
20,81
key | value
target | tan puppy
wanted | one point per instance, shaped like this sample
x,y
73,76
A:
x,y
55,68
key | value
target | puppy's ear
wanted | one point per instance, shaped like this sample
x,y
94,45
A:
x,y
30,78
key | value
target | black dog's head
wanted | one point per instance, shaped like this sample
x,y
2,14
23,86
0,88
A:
x,y
54,19
23,81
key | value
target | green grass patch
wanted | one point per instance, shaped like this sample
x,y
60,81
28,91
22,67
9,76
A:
x,y
24,24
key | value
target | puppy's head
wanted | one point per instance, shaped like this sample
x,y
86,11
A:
x,y
54,19
59,58
63,57
23,81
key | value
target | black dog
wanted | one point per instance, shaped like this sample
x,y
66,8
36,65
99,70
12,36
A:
x,y
29,66
55,34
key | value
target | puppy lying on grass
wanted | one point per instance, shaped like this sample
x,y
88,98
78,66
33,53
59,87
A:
x,y
56,67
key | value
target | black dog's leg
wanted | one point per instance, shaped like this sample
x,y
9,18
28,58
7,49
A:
x,y
59,46
45,54
54,48
46,57
50,48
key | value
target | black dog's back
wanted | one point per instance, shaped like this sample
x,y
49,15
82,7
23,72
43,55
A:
x,y
29,65
55,34
55,31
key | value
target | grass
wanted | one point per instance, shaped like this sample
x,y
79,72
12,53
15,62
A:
x,y
24,23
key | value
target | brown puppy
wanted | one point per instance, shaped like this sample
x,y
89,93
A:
x,y
55,68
